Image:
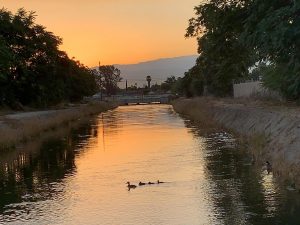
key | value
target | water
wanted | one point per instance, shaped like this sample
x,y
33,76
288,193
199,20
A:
x,y
80,178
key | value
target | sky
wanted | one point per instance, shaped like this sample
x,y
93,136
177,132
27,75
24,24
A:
x,y
116,31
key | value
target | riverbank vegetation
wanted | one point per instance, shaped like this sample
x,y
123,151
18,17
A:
x,y
235,37
33,71
22,127
261,130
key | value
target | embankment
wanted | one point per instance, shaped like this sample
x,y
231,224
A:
x,y
22,127
271,132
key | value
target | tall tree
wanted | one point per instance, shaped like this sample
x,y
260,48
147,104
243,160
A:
x,y
272,30
223,58
109,76
33,71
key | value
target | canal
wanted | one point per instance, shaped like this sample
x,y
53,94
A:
x,y
79,178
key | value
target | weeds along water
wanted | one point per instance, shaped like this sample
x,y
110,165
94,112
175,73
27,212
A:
x,y
23,127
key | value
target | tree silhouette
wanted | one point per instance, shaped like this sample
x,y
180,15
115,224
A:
x,y
33,71
148,79
108,77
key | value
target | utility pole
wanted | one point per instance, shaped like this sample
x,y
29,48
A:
x,y
100,79
126,86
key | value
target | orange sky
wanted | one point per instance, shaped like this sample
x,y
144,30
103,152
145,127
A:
x,y
116,31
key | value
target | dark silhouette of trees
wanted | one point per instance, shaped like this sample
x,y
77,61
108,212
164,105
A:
x,y
108,77
33,71
148,79
223,58
235,35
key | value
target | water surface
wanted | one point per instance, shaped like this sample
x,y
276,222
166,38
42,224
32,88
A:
x,y
80,178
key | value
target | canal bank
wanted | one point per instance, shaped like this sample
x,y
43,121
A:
x,y
83,173
271,133
21,127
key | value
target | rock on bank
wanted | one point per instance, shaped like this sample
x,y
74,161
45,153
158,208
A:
x,y
273,132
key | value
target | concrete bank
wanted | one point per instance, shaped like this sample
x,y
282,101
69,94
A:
x,y
272,133
21,127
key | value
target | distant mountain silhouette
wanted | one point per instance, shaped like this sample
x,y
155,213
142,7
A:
x,y
158,69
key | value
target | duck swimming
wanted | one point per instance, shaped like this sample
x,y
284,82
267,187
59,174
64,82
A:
x,y
160,182
141,183
150,182
130,185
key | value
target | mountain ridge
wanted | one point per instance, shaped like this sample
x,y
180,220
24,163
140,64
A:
x,y
158,69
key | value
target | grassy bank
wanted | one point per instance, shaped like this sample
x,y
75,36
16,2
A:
x,y
22,127
268,133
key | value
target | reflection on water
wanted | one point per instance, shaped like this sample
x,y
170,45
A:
x,y
80,178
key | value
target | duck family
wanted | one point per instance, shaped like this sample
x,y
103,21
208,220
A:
x,y
132,186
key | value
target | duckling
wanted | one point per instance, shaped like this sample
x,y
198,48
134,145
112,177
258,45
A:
x,y
130,185
160,182
141,183
150,182
269,167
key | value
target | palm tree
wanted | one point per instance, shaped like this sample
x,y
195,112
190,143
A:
x,y
148,78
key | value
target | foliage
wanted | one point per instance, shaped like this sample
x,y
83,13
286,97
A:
x,y
168,84
192,83
148,79
223,58
233,35
108,77
33,71
273,30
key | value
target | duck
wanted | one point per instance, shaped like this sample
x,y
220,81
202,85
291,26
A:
x,y
269,167
150,182
130,185
141,183
160,182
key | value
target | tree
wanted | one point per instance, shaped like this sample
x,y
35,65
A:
x,y
222,57
168,84
272,30
33,71
109,76
148,78
192,84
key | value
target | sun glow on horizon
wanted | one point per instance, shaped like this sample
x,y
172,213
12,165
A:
x,y
115,32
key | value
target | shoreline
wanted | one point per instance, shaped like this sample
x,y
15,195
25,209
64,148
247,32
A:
x,y
22,127
269,133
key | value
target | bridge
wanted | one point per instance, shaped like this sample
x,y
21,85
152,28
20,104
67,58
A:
x,y
139,99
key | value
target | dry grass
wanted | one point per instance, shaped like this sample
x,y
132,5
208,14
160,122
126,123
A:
x,y
256,144
16,130
197,109
259,144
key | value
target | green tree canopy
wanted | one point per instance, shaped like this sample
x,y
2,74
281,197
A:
x,y
33,71
272,29
223,58
235,35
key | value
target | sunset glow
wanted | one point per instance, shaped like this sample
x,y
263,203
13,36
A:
x,y
118,31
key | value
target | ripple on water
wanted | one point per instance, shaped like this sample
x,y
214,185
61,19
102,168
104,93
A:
x,y
82,179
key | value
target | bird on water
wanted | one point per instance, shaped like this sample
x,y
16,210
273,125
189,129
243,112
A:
x,y
130,185
141,183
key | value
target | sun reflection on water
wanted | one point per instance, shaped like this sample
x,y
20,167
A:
x,y
80,178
